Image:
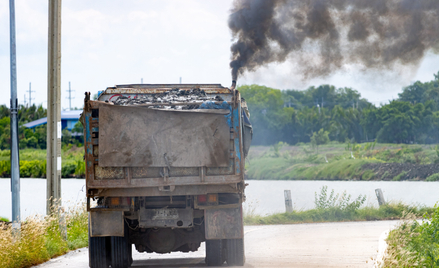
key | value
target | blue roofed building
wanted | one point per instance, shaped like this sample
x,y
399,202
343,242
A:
x,y
68,120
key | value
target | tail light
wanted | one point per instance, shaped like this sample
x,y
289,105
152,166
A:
x,y
209,199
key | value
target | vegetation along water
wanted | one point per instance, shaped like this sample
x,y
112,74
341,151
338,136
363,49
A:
x,y
321,133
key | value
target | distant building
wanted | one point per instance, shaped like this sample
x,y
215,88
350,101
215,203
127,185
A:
x,y
68,120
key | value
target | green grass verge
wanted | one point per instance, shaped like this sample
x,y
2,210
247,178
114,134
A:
x,y
414,244
335,214
283,169
40,239
333,207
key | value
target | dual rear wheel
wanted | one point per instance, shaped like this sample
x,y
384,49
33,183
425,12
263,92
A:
x,y
111,250
229,250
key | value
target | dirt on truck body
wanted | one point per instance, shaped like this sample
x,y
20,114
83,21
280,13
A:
x,y
165,171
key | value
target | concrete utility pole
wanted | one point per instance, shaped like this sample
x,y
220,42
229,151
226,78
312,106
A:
x,y
15,163
53,169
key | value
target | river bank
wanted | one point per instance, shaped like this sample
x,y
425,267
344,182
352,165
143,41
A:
x,y
344,161
333,161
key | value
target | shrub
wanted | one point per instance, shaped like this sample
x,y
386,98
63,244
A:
x,y
80,168
343,202
434,177
414,244
319,138
35,168
68,169
5,168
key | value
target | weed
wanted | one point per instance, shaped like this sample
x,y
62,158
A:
x,y
385,175
40,238
414,244
277,147
335,201
400,176
367,175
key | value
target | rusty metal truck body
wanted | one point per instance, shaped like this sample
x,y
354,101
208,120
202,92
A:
x,y
165,179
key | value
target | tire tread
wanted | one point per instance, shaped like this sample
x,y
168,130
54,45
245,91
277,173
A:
x,y
235,252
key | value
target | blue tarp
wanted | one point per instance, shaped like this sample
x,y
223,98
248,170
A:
x,y
214,105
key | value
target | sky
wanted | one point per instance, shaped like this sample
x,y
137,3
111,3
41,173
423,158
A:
x,y
105,43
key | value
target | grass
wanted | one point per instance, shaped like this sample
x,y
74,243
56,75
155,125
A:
x,y
414,244
335,161
392,211
334,207
40,238
33,163
399,176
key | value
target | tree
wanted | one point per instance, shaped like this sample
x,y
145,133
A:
x,y
413,93
319,138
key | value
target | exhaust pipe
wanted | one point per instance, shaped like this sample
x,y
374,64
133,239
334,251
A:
x,y
232,87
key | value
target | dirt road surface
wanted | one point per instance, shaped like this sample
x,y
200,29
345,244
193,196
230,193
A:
x,y
347,244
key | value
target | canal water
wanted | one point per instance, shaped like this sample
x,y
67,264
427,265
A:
x,y
263,197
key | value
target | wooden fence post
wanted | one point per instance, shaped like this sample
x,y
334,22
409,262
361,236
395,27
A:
x,y
288,201
380,197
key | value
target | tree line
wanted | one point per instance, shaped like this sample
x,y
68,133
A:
x,y
293,116
31,138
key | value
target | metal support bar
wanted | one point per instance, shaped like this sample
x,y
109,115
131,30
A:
x,y
15,162
54,107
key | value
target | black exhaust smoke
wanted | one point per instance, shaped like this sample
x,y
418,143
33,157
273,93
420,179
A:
x,y
321,36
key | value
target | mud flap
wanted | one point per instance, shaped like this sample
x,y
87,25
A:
x,y
223,223
106,223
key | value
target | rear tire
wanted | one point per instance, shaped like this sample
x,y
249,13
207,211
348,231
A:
x,y
121,251
98,252
214,253
235,252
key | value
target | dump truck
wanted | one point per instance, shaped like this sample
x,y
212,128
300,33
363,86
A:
x,y
165,171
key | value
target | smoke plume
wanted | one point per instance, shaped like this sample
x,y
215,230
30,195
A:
x,y
321,36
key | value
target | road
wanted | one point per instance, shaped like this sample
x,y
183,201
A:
x,y
347,244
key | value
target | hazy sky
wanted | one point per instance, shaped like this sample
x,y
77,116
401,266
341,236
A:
x,y
105,43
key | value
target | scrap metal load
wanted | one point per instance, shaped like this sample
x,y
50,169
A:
x,y
168,106
175,99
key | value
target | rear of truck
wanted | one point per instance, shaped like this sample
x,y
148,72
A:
x,y
165,172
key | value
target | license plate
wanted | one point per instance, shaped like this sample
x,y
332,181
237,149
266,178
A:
x,y
165,214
